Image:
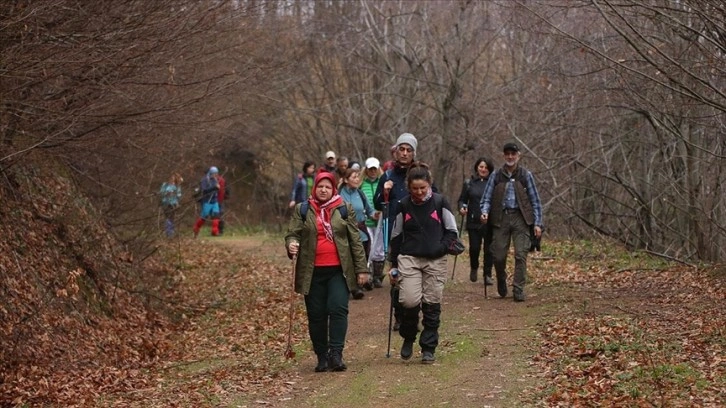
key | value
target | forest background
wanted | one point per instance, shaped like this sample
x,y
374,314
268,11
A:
x,y
618,108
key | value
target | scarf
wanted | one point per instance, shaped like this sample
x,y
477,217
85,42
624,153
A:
x,y
426,197
323,210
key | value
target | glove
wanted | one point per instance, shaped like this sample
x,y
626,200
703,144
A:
x,y
456,247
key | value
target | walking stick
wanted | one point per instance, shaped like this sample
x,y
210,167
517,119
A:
x,y
289,353
390,323
385,256
458,232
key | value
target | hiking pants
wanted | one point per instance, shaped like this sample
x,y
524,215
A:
x,y
422,280
514,228
327,309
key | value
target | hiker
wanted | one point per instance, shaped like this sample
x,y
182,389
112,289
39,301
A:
x,y
222,196
209,189
424,230
374,224
352,194
329,164
330,263
303,187
341,165
479,233
389,164
510,205
392,185
170,193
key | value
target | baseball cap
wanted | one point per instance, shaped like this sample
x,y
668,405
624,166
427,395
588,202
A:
x,y
372,162
511,147
329,154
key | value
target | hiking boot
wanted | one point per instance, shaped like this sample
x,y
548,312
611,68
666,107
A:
x,y
472,275
428,357
518,295
407,349
488,280
368,286
377,282
502,287
358,294
335,361
322,363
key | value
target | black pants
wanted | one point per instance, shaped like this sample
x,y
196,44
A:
x,y
477,237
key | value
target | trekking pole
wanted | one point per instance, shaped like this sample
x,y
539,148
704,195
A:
x,y
385,256
458,232
390,325
289,352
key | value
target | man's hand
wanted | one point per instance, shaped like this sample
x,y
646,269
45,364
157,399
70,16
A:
x,y
463,211
484,218
388,185
291,204
537,231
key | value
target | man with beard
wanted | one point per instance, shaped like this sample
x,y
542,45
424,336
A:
x,y
510,205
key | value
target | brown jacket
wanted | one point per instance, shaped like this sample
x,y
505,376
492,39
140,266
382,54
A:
x,y
520,191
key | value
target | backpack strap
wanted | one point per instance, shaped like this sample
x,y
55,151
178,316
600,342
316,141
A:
x,y
305,206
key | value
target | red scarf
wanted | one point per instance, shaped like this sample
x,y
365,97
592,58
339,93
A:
x,y
323,210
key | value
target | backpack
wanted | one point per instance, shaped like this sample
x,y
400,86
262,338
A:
x,y
343,209
456,246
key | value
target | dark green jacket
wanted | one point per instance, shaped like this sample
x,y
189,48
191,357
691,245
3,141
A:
x,y
347,241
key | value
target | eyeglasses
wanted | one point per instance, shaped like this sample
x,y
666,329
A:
x,y
405,149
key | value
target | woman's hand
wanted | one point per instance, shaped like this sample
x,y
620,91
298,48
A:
x,y
363,278
293,248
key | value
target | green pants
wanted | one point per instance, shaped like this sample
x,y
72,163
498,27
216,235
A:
x,y
512,228
327,308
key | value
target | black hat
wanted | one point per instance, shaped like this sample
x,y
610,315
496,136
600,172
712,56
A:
x,y
511,147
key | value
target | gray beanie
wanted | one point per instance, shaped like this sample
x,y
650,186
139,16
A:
x,y
408,139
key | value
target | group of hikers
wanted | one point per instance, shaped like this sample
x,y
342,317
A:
x,y
348,220
210,194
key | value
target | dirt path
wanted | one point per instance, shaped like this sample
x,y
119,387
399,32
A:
x,y
482,359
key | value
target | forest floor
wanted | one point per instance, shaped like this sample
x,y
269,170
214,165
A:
x,y
600,327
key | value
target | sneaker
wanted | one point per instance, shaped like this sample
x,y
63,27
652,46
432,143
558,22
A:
x,y
407,349
335,361
428,357
472,275
518,295
358,294
502,287
488,280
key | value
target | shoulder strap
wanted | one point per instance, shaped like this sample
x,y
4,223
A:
x,y
343,209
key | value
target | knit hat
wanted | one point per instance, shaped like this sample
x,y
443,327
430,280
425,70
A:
x,y
408,139
213,170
